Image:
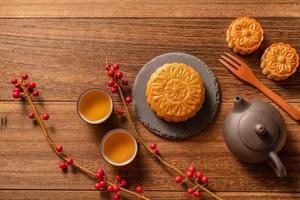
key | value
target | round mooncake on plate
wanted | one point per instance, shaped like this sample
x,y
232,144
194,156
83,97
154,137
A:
x,y
197,80
175,92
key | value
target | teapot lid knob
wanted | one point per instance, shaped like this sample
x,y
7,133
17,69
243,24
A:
x,y
260,129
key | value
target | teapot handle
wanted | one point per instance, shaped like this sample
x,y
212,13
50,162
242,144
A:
x,y
277,165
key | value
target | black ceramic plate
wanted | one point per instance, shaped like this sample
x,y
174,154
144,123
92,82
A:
x,y
176,130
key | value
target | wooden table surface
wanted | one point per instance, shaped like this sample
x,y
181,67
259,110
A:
x,y
60,43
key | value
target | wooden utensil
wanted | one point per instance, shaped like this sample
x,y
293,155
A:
x,y
244,72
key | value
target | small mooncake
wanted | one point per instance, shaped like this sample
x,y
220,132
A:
x,y
244,35
279,61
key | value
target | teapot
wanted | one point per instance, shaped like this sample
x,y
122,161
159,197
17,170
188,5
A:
x,y
255,132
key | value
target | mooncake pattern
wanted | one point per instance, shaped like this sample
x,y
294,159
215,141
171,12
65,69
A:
x,y
244,35
175,92
279,61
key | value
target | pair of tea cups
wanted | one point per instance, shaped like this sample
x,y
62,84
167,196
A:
x,y
118,147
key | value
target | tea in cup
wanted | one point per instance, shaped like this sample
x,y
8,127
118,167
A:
x,y
118,147
94,106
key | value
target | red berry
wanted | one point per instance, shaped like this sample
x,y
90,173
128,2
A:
x,y
119,74
111,82
97,186
120,111
69,161
109,188
31,85
59,148
118,178
116,188
45,116
197,194
190,191
107,66
199,175
16,94
128,99
31,115
62,165
189,174
111,73
26,84
139,189
192,168
123,183
116,197
102,184
116,66
114,89
99,175
155,151
14,81
125,82
24,76
17,90
100,171
204,179
152,146
178,179
35,93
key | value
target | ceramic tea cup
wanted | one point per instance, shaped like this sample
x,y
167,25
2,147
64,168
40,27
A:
x,y
94,106
118,147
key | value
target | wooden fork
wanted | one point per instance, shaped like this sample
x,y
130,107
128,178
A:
x,y
244,72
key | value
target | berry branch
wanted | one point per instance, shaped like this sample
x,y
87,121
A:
x,y
191,179
26,90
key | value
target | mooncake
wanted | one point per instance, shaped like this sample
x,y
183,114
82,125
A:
x,y
279,61
244,35
175,92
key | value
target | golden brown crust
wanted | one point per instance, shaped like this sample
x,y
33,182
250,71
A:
x,y
279,61
175,92
244,35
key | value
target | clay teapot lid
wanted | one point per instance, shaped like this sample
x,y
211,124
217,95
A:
x,y
258,131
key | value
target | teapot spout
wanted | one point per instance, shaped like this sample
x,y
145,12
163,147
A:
x,y
240,104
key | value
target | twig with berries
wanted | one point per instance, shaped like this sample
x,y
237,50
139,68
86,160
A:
x,y
25,90
194,181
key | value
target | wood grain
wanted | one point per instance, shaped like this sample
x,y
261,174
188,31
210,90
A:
x,y
24,143
148,8
91,195
65,56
